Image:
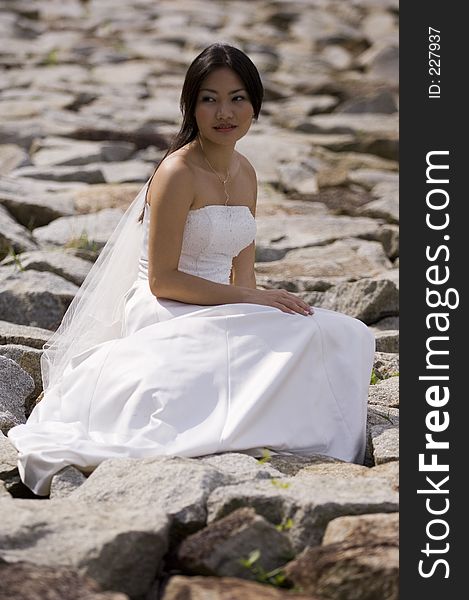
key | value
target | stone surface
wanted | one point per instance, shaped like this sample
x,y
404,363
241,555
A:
x,y
25,581
216,549
15,387
225,588
310,503
35,298
385,392
120,547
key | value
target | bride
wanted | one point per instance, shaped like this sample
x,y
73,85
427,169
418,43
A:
x,y
169,347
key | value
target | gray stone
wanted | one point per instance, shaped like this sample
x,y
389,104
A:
x,y
386,364
240,466
12,333
85,230
66,481
387,340
345,258
288,232
175,485
35,298
386,393
85,173
34,203
63,152
383,101
385,442
12,157
13,237
357,560
311,503
368,178
121,547
60,262
363,529
217,549
25,581
222,588
8,457
367,299
15,386
29,360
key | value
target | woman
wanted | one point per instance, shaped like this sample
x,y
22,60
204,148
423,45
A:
x,y
193,359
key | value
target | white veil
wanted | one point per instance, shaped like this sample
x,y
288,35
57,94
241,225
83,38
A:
x,y
96,312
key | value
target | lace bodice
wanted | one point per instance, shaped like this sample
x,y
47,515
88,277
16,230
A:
x,y
213,236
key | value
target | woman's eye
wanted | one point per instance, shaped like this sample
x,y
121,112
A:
x,y
207,98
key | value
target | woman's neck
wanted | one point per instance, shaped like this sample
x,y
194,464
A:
x,y
218,155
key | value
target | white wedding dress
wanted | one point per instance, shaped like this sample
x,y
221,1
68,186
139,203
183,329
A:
x,y
191,380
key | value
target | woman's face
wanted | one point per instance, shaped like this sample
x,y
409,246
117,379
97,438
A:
x,y
223,100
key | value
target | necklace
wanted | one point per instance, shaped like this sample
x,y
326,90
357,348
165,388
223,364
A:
x,y
223,181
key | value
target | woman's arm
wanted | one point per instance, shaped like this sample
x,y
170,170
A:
x,y
171,195
243,273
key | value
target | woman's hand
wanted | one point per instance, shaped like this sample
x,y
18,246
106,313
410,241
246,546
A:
x,y
281,299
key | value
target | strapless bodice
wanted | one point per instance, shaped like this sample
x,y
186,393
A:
x,y
213,236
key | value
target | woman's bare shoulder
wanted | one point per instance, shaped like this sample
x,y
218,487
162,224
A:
x,y
174,176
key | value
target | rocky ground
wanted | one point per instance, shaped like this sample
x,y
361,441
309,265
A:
x,y
89,96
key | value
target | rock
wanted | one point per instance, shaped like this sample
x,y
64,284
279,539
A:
x,y
15,386
289,232
341,470
96,197
385,442
382,101
386,364
368,178
63,152
386,393
12,157
388,470
382,63
387,340
29,360
363,529
84,173
299,178
386,208
35,298
367,299
365,568
13,237
8,457
225,588
121,547
291,464
82,230
176,486
386,324
240,466
345,258
389,237
66,481
34,203
311,503
62,263
218,548
25,581
12,333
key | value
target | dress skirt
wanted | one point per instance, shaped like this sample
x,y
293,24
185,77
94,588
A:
x,y
191,380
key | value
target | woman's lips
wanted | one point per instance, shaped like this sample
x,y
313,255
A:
x,y
225,129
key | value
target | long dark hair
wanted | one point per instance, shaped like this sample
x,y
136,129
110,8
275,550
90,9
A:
x,y
213,57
